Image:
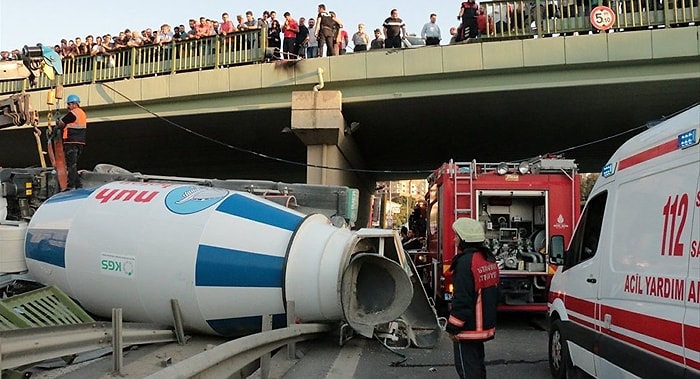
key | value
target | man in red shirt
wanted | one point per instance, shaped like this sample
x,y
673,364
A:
x,y
289,30
202,28
342,41
226,25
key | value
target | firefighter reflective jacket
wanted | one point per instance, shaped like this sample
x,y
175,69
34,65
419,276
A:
x,y
75,131
473,315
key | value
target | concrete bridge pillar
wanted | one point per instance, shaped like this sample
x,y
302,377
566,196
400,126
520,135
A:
x,y
317,120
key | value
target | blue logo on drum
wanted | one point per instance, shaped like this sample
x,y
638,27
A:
x,y
193,199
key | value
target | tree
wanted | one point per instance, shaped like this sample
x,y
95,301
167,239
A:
x,y
587,183
407,204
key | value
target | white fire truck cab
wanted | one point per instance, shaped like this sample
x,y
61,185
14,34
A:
x,y
625,299
520,205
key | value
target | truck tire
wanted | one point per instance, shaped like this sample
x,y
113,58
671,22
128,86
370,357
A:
x,y
559,360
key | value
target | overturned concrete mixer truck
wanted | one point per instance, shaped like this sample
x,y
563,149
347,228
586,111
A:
x,y
229,251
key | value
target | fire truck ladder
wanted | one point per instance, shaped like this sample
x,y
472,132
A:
x,y
463,171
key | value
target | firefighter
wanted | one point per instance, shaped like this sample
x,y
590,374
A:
x,y
473,316
74,127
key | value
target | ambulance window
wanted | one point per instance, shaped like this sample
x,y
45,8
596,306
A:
x,y
585,242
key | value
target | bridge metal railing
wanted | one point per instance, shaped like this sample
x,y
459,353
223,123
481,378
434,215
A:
x,y
508,19
542,18
189,55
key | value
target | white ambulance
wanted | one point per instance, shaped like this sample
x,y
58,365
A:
x,y
625,299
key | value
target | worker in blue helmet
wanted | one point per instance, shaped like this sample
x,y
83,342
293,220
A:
x,y
74,127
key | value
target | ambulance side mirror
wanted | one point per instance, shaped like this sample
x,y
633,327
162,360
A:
x,y
556,250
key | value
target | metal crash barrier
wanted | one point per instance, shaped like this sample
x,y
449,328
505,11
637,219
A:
x,y
20,347
232,356
30,343
45,324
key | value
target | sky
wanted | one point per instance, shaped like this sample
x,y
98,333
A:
x,y
47,22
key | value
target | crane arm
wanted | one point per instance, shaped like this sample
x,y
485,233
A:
x,y
36,60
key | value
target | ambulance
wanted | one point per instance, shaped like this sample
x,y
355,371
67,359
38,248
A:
x,y
624,301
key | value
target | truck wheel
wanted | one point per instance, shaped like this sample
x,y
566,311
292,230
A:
x,y
559,360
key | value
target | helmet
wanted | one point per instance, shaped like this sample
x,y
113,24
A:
x,y
73,99
469,230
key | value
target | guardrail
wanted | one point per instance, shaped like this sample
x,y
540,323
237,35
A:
x,y
20,347
232,356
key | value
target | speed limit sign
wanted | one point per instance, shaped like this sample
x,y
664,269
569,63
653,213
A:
x,y
602,18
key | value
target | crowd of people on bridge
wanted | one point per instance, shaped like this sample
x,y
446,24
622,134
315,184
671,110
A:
x,y
302,37
307,37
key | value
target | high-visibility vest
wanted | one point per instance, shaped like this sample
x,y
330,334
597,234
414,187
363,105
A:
x,y
75,131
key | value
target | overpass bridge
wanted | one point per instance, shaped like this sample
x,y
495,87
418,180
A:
x,y
506,97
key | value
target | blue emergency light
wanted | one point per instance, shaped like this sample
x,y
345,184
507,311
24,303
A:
x,y
688,139
608,170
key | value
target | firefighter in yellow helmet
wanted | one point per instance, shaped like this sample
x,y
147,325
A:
x,y
74,127
473,316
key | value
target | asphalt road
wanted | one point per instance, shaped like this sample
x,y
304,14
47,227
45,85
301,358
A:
x,y
518,351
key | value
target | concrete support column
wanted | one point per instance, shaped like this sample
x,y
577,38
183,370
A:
x,y
317,120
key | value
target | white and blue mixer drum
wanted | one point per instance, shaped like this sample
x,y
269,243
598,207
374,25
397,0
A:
x,y
228,257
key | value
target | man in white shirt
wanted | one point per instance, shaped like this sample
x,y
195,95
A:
x,y
431,31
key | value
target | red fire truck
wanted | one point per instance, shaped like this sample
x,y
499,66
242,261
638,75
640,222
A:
x,y
520,205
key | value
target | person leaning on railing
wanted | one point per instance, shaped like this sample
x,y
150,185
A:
x,y
89,44
147,36
164,38
136,40
97,48
121,41
66,50
177,34
226,26
107,44
80,47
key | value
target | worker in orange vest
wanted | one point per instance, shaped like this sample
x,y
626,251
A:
x,y
74,126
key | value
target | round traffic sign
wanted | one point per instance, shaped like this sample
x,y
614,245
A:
x,y
602,17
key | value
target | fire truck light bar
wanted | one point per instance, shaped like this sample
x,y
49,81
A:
x,y
688,139
555,164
